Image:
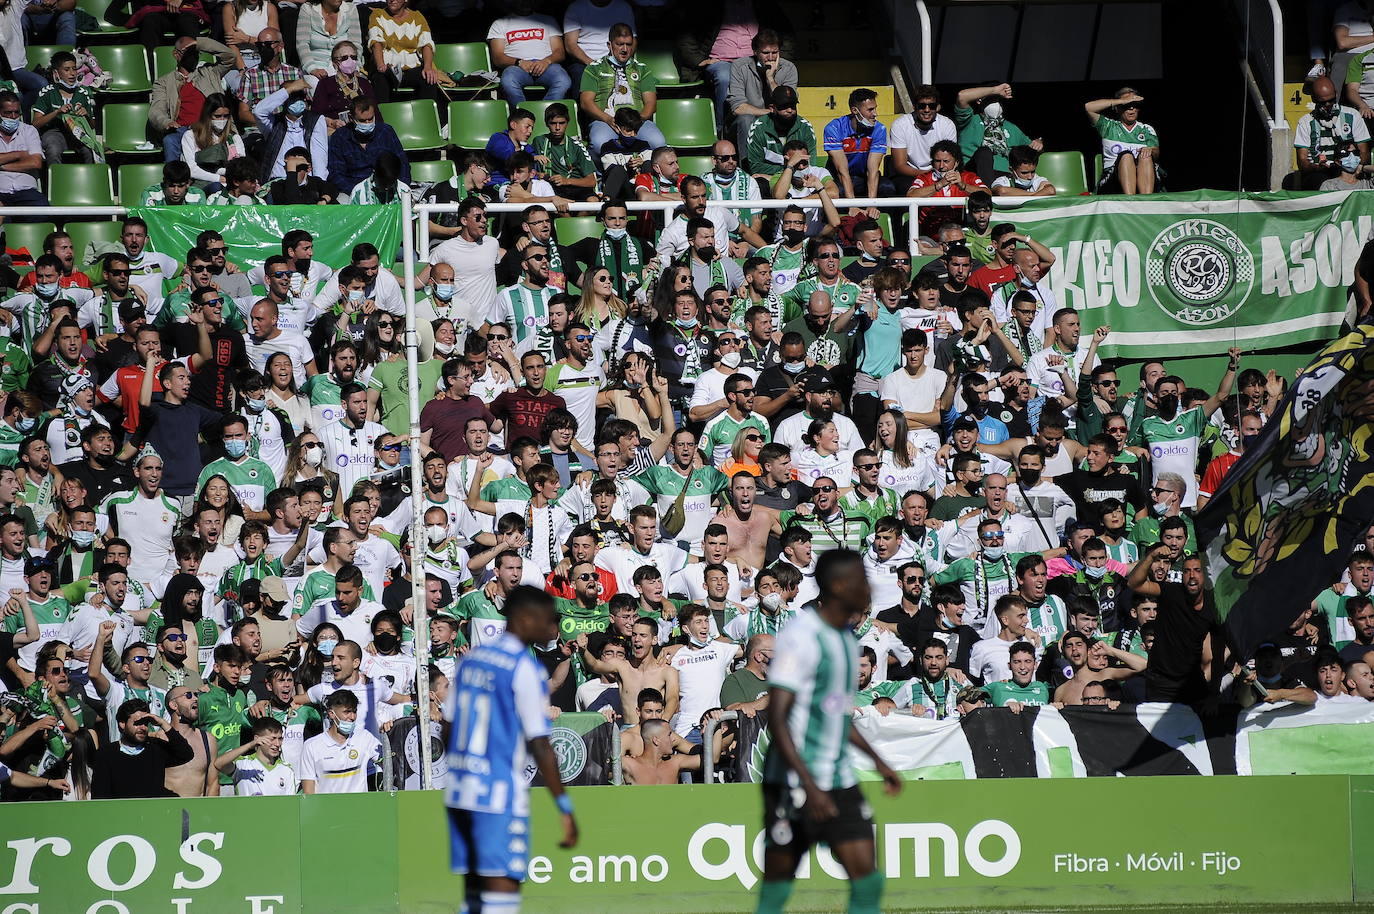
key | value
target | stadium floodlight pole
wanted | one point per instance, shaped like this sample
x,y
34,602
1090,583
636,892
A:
x,y
418,541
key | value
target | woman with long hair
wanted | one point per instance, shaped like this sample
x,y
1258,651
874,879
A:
x,y
675,279
245,19
217,493
71,494
305,461
904,466
213,140
382,340
638,394
744,453
282,392
314,666
823,455
599,303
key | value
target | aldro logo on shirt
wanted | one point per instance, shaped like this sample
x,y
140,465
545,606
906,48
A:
x,y
1199,272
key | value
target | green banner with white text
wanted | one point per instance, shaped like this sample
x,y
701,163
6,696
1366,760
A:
x,y
1194,273
988,844
254,233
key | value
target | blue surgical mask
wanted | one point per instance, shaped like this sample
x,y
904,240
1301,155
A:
x,y
444,291
1023,184
46,289
1095,573
994,553
250,59
345,727
83,539
615,234
365,129
256,406
793,367
356,295
326,647
1350,162
235,448
296,107
1161,507
29,423
10,124
80,411
687,324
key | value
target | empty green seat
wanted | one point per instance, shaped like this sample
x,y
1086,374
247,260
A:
x,y
471,123
136,177
28,235
127,65
1065,171
84,233
687,123
80,185
572,229
96,9
659,60
416,124
40,55
695,165
466,58
432,172
125,126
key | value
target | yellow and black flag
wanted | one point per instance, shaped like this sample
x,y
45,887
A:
x,y
1284,520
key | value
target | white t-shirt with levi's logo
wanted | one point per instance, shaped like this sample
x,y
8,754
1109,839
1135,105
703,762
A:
x,y
526,37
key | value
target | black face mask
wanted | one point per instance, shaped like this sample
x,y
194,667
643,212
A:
x,y
1168,405
707,252
103,459
1028,478
973,485
266,51
190,58
386,641
784,124
793,236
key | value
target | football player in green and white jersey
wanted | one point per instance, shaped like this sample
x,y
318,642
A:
x,y
810,792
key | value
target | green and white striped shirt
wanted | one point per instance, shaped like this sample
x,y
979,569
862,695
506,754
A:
x,y
819,665
524,307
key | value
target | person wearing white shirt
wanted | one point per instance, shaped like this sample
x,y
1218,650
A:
x,y
912,135
257,767
702,665
1067,355
792,429
881,561
268,338
624,560
715,550
473,255
915,389
349,443
990,659
337,760
148,269
371,694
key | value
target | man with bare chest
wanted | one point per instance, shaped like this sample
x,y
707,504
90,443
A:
x,y
650,708
656,762
749,525
641,670
198,777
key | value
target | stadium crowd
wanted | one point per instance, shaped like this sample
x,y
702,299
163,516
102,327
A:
x,y
205,507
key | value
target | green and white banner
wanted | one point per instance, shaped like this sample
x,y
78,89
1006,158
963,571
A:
x,y
254,233
1194,273
1147,739
992,845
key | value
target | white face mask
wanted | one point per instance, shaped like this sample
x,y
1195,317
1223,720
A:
x,y
993,111
314,456
436,533
772,602
730,359
219,123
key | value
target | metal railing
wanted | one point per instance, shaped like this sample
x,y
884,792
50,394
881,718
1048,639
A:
x,y
708,736
1261,63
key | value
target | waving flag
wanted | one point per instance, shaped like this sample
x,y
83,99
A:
x,y
1286,517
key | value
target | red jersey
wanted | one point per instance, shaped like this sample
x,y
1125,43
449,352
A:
x,y
987,278
561,587
524,413
932,217
125,384
77,280
1216,472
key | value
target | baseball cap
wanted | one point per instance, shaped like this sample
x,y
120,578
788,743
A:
x,y
131,310
274,588
816,380
36,563
783,97
966,423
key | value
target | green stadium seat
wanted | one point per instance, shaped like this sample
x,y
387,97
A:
x,y
27,235
105,29
416,124
687,123
134,178
1065,171
80,185
572,229
434,171
125,126
659,60
695,165
471,123
40,55
1098,168
537,108
127,64
83,233
466,58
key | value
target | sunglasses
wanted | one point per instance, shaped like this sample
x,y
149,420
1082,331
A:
x,y
391,447
127,272
927,106
538,257
212,303
1118,430
582,337
174,636
205,268
726,157
140,658
1108,383
913,580
719,301
386,324
497,337
753,437
280,274
867,466
745,391
587,577
346,57
991,537
1156,490
825,488
217,250
827,256
727,341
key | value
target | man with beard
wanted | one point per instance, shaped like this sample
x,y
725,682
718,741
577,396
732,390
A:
x,y
137,764
943,619
1187,619
825,254
1173,435
963,494
98,468
708,269
935,687
778,390
1065,356
748,526
323,389
1095,669
172,667
820,404
536,225
675,238
787,257
758,351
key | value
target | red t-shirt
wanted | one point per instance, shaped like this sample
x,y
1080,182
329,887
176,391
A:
x,y
932,217
125,383
987,278
191,101
523,412
1216,472
562,587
